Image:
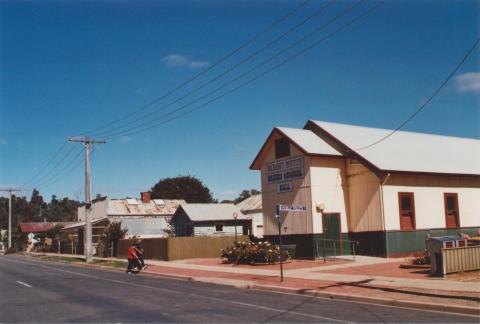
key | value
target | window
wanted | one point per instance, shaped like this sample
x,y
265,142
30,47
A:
x,y
219,227
282,148
451,210
407,210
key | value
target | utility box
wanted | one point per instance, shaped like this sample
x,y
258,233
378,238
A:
x,y
451,254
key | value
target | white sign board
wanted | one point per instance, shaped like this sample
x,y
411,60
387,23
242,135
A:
x,y
291,208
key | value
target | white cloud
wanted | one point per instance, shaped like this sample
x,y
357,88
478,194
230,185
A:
x,y
177,60
469,82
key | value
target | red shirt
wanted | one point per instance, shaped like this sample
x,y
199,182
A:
x,y
131,253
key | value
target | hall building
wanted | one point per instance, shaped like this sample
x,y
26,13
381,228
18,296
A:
x,y
360,184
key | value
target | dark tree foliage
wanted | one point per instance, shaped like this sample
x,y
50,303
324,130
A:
x,y
189,188
36,210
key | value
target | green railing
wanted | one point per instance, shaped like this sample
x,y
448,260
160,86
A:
x,y
332,249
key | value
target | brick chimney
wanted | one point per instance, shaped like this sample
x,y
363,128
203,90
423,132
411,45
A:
x,y
145,196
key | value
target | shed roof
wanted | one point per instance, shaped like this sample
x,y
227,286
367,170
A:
x,y
40,227
77,225
251,203
409,151
134,207
212,212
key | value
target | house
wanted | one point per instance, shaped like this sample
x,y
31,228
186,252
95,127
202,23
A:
x,y
142,217
252,207
210,219
388,196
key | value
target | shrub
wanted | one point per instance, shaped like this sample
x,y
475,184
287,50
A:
x,y
252,253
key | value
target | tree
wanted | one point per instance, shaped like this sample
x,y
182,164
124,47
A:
x,y
246,194
111,235
189,188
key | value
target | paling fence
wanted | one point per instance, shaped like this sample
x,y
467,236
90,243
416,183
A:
x,y
178,248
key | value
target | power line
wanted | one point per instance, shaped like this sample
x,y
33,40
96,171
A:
x,y
132,129
224,58
219,76
46,164
59,175
57,165
442,85
221,60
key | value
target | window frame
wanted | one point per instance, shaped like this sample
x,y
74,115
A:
x,y
413,216
445,206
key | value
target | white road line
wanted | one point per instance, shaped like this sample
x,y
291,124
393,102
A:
x,y
26,285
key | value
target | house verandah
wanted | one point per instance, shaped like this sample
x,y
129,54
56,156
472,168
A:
x,y
389,197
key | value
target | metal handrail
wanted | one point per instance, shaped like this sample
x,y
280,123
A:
x,y
338,243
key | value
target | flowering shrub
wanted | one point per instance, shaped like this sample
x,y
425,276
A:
x,y
252,253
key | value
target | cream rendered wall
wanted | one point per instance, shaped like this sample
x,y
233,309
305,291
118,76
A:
x,y
292,222
429,201
364,200
328,186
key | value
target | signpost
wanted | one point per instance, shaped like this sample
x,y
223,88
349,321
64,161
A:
x,y
284,208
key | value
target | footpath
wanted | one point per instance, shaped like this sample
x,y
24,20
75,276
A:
x,y
371,280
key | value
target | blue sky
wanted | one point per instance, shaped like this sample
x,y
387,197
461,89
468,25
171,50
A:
x,y
69,66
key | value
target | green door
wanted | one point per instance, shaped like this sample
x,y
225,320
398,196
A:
x,y
332,230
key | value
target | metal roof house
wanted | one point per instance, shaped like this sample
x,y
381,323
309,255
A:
x,y
388,196
211,219
142,217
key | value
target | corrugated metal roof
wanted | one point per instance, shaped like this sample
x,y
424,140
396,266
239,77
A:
x,y
123,207
251,203
409,151
40,227
308,141
77,225
212,212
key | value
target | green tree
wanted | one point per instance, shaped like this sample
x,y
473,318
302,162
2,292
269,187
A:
x,y
189,188
111,235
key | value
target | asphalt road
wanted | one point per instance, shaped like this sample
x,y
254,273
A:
x,y
32,290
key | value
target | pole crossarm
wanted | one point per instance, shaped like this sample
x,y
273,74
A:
x,y
86,139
